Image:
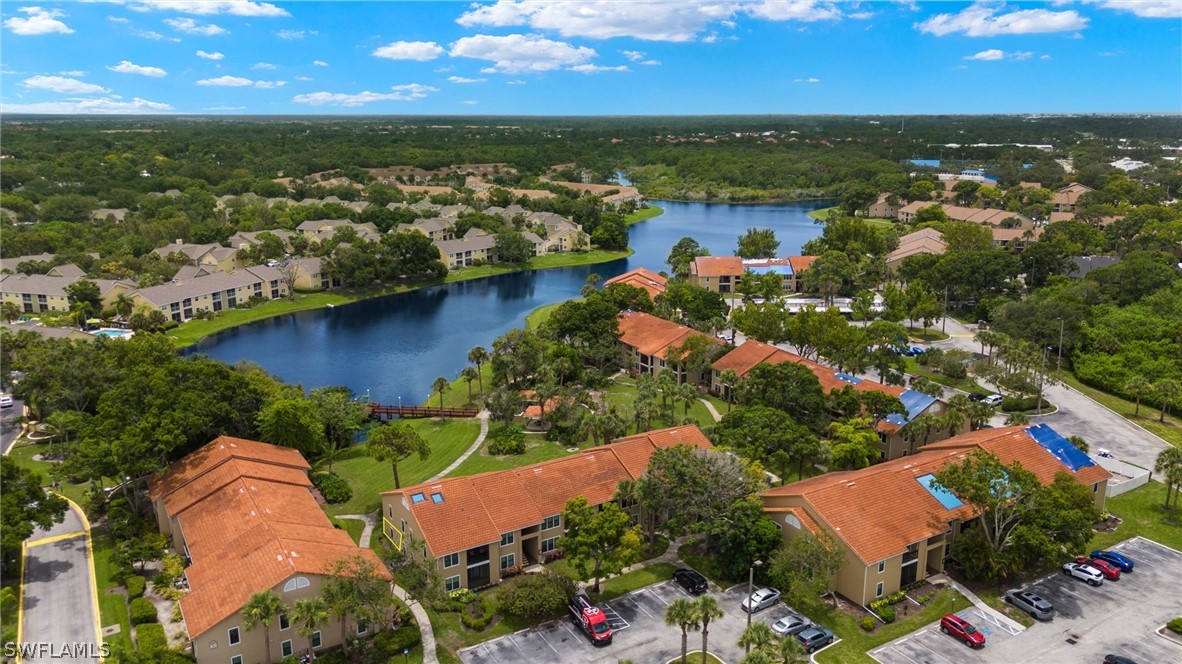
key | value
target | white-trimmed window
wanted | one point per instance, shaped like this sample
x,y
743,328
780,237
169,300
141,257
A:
x,y
362,626
296,583
234,637
508,560
881,566
285,649
284,623
549,545
878,590
552,522
451,583
315,640
791,520
451,560
236,659
507,539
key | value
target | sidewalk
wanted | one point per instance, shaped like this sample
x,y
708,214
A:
x,y
944,579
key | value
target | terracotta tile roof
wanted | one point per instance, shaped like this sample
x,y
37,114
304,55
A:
x,y
1070,194
879,511
800,263
717,266
650,335
641,278
218,451
222,474
476,510
750,353
801,515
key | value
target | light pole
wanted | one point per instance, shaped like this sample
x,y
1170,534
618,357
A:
x,y
750,604
1059,360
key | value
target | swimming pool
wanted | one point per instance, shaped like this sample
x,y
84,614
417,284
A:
x,y
112,332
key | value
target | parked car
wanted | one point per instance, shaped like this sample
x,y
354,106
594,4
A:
x,y
962,629
916,350
1117,659
1124,562
992,400
5,401
693,582
1030,603
1110,571
976,396
760,600
1091,575
791,624
815,638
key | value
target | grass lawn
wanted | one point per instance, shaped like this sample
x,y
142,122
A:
x,y
352,526
448,438
1169,431
926,334
540,315
23,454
634,580
112,607
643,214
855,642
695,657
823,215
1143,513
8,618
965,384
622,392
537,449
561,259
707,565
451,634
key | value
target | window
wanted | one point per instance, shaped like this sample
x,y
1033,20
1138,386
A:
x,y
552,522
390,511
236,659
451,560
508,560
881,566
506,539
284,623
285,648
549,545
235,636
315,639
437,498
296,584
362,626
451,583
417,498
878,590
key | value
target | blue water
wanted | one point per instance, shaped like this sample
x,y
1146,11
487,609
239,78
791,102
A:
x,y
395,346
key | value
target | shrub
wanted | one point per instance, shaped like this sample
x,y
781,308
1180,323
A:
x,y
135,586
176,613
511,571
333,487
551,556
535,596
171,569
151,641
887,614
484,614
867,623
510,440
462,595
391,643
142,611
924,599
1175,625
1015,405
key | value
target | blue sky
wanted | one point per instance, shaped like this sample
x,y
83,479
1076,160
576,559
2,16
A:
x,y
591,57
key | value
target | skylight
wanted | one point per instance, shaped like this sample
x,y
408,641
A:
x,y
437,497
417,498
944,496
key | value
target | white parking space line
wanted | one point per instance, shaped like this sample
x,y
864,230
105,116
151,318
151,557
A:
x,y
937,654
640,606
518,646
662,599
491,653
548,642
567,628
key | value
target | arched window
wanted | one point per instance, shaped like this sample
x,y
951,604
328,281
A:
x,y
296,583
791,520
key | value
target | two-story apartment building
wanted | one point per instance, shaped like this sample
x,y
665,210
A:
x,y
561,234
320,230
179,300
923,241
243,514
989,216
43,293
482,528
213,257
649,281
436,228
1065,198
649,341
721,274
476,245
893,524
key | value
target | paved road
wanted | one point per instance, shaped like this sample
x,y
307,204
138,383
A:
x,y
59,601
9,429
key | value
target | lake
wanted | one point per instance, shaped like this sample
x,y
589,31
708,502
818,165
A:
x,y
393,347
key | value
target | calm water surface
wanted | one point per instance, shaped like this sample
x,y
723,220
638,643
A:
x,y
395,346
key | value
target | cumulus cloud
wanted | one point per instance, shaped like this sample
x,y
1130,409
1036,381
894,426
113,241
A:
x,y
224,108
469,102
40,21
409,50
72,73
62,84
128,67
212,7
239,82
597,69
269,84
118,19
303,78
634,56
191,27
210,56
515,82
991,54
156,36
408,92
1044,57
794,10
603,19
806,80
89,106
1144,8
320,63
295,34
514,54
461,79
263,65
984,20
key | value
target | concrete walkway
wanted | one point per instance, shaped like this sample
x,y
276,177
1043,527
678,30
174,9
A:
x,y
710,407
944,579
483,417
426,634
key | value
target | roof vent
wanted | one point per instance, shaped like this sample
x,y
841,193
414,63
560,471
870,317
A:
x,y
851,483
279,557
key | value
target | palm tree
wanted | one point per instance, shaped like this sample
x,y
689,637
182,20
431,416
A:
x,y
590,285
952,421
1138,386
123,306
9,312
730,378
1017,420
308,614
758,636
707,610
979,415
790,651
261,610
478,356
683,613
688,394
1167,389
757,657
440,385
1168,462
469,374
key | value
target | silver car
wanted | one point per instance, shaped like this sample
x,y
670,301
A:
x,y
1036,606
760,600
791,624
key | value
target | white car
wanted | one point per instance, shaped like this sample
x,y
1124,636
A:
x,y
993,400
761,599
6,401
1084,573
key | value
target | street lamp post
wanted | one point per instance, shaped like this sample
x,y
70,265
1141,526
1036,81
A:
x,y
1059,360
750,581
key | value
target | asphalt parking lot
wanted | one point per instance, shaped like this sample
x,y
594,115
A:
x,y
1118,617
639,632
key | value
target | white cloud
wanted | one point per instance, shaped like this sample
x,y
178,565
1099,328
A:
x,y
227,81
73,73
650,63
269,84
1144,8
991,54
597,69
461,79
88,106
1111,54
263,65
409,50
62,84
210,56
513,54
634,56
303,78
128,67
1021,55
40,21
469,102
409,92
320,63
295,34
515,82
983,20
191,27
806,80
156,36
603,19
212,7
118,19
1044,57
794,10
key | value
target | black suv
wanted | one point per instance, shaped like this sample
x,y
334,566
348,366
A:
x,y
693,582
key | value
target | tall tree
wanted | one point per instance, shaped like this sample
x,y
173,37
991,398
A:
x,y
262,609
292,423
25,505
1169,465
758,243
1167,390
708,610
683,614
758,636
598,542
394,442
341,415
469,374
309,614
789,387
683,254
478,356
807,565
1139,387
440,385
853,444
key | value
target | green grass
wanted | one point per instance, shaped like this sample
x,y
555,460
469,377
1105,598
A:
x,y
965,384
456,395
540,315
644,214
451,634
634,580
562,259
926,334
823,215
368,478
112,607
537,449
695,656
622,392
23,456
1144,514
1169,431
855,642
707,565
352,526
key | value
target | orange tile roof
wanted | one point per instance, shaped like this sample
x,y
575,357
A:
x,y
476,510
222,474
216,452
717,266
650,335
881,510
641,277
801,514
800,263
750,353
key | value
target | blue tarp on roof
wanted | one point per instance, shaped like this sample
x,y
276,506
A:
x,y
934,163
946,497
852,380
1069,455
972,171
766,269
915,403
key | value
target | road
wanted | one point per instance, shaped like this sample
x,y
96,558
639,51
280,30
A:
x,y
9,429
60,606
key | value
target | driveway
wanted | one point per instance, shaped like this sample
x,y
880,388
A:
x,y
639,632
1118,617
9,429
60,605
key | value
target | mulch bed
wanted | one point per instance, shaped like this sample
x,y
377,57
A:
x,y
1108,525
926,588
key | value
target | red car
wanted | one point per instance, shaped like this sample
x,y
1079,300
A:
x,y
1110,571
962,629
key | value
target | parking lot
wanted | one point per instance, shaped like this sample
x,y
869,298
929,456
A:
x,y
639,632
1118,617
